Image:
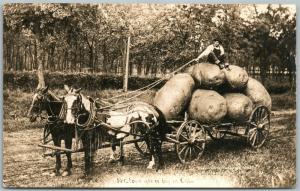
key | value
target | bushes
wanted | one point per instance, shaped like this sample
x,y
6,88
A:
x,y
278,87
28,81
283,101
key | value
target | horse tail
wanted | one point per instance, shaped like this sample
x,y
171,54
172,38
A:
x,y
101,136
162,122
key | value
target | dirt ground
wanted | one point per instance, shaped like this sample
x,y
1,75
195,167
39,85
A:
x,y
226,163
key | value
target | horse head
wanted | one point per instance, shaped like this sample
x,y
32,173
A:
x,y
76,104
38,103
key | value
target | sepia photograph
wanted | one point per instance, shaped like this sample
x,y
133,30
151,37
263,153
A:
x,y
146,95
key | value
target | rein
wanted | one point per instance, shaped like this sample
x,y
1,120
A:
x,y
91,115
143,89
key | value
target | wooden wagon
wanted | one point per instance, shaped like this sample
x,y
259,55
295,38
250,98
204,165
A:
x,y
189,136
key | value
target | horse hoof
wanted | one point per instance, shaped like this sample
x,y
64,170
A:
x,y
159,171
55,174
150,167
112,161
66,173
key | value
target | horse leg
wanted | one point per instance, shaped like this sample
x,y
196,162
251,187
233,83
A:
x,y
149,143
158,153
121,152
57,143
88,153
112,157
86,156
93,148
68,142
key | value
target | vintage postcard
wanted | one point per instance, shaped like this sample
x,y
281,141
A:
x,y
149,95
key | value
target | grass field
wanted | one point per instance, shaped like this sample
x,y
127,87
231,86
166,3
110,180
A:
x,y
226,163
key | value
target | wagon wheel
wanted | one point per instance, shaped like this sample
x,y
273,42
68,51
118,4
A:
x,y
259,126
191,137
215,134
140,128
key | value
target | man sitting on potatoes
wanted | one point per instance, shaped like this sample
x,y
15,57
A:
x,y
215,54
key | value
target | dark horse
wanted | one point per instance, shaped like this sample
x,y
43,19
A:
x,y
81,110
45,100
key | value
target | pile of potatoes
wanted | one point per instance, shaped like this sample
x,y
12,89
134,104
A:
x,y
211,95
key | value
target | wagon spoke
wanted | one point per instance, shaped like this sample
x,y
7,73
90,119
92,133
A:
x,y
192,152
186,153
263,114
184,130
184,137
182,149
265,131
256,116
194,130
259,114
258,137
199,148
200,140
264,136
184,143
190,149
253,133
264,118
254,138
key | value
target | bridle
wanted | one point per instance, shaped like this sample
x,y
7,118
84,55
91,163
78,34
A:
x,y
37,105
79,107
43,103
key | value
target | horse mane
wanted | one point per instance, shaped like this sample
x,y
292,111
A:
x,y
86,102
53,95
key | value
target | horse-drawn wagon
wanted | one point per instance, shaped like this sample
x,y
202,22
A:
x,y
100,125
189,136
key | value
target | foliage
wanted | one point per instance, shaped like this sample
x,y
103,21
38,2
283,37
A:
x,y
92,37
28,81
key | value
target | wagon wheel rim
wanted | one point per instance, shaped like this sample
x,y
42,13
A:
x,y
191,137
259,127
141,146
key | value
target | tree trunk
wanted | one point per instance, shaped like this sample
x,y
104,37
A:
x,y
25,59
80,59
12,57
75,56
35,54
105,58
91,57
40,75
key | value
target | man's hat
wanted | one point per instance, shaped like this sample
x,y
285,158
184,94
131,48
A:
x,y
218,39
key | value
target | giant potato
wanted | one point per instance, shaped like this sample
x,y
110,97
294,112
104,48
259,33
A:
x,y
239,106
207,106
258,94
236,77
173,97
207,75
